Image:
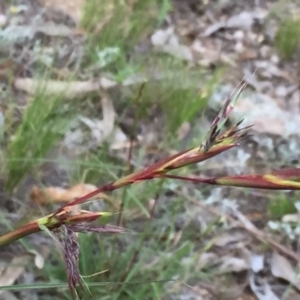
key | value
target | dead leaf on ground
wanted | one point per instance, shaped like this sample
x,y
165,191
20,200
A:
x,y
39,257
121,141
242,20
12,272
260,234
233,239
52,29
61,195
101,129
233,264
166,41
207,259
282,268
68,89
73,8
262,291
49,28
291,218
71,89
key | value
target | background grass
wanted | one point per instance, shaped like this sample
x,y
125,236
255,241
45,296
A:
x,y
164,245
159,248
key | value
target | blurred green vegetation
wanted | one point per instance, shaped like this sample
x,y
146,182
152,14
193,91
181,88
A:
x,y
288,37
156,249
281,205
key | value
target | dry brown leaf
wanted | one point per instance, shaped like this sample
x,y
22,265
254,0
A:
x,y
56,87
166,41
61,195
38,258
71,89
207,259
52,29
108,115
101,129
104,129
230,264
120,141
262,291
282,268
11,273
58,194
73,8
231,239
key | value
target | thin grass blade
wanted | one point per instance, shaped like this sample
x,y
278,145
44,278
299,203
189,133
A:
x,y
286,179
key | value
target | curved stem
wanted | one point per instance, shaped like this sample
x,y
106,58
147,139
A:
x,y
21,232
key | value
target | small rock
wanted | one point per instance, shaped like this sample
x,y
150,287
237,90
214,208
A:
x,y
239,35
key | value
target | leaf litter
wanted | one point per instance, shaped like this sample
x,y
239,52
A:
x,y
231,42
